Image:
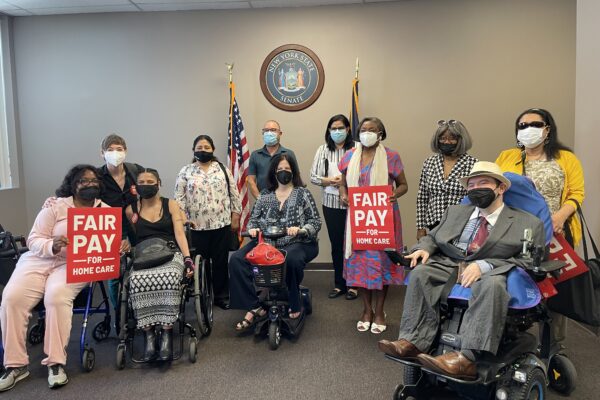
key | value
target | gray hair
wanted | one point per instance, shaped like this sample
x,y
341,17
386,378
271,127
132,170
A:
x,y
456,129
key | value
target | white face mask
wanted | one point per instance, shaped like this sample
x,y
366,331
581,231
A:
x,y
531,137
368,139
115,157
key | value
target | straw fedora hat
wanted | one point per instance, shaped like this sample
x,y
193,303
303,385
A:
x,y
485,168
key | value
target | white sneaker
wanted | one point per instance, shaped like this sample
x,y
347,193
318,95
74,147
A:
x,y
11,376
57,376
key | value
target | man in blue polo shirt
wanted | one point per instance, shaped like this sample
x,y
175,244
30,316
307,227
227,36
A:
x,y
260,159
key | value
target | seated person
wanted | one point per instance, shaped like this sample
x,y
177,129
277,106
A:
x,y
154,292
286,204
486,236
41,273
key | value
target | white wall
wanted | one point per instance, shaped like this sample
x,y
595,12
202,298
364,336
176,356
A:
x,y
587,114
159,79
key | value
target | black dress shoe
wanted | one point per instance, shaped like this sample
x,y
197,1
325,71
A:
x,y
352,294
166,345
222,304
150,347
336,293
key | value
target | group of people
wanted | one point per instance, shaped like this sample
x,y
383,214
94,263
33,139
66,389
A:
x,y
485,235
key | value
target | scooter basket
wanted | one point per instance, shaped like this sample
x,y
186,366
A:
x,y
270,275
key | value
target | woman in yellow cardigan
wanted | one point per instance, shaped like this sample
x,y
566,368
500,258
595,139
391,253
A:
x,y
553,167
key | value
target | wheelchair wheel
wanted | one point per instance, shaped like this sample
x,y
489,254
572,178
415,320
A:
x,y
88,360
562,375
196,293
193,349
207,296
533,389
101,330
36,334
274,335
120,356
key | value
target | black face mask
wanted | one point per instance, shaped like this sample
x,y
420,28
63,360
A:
x,y
447,148
284,177
482,198
203,156
88,193
147,191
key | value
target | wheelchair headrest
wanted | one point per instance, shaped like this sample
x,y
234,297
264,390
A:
x,y
524,196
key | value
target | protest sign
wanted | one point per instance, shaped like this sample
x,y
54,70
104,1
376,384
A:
x,y
371,218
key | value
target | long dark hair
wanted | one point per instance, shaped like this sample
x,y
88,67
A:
x,y
551,145
209,140
68,187
272,179
348,143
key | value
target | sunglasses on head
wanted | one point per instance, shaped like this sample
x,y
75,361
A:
x,y
534,124
442,122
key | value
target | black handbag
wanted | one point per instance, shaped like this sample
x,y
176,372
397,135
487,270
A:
x,y
234,239
152,253
579,298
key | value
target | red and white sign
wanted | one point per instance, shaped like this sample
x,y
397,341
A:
x,y
371,218
561,250
94,235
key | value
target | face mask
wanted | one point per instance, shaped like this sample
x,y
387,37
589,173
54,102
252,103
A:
x,y
368,139
88,193
482,198
531,137
147,191
203,156
447,148
270,138
114,158
284,177
338,135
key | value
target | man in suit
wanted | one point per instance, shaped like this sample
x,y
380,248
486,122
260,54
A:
x,y
486,237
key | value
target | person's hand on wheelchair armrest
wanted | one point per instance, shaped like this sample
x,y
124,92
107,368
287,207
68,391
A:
x,y
253,232
470,275
416,255
189,267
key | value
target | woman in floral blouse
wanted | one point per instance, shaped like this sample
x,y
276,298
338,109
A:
x,y
286,204
213,209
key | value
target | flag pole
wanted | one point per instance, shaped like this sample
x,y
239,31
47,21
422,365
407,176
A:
x,y
231,101
356,69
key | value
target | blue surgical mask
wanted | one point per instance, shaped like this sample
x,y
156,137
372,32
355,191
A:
x,y
338,135
270,138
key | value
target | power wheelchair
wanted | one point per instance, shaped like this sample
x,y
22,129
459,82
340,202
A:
x,y
524,364
196,293
273,295
11,248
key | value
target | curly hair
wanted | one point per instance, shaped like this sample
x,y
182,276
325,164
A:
x,y
68,187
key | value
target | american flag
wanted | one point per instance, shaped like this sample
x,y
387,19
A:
x,y
238,154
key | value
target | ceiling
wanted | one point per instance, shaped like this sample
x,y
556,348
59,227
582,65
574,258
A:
x,y
21,8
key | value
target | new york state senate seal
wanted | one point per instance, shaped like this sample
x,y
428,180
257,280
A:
x,y
292,77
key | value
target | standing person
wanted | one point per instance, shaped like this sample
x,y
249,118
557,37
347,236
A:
x,y
557,174
260,159
325,173
286,204
439,185
154,291
372,164
213,208
119,180
41,274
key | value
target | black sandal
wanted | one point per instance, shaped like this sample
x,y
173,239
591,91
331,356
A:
x,y
246,324
351,294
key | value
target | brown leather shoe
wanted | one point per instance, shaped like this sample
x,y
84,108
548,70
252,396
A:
x,y
400,349
453,364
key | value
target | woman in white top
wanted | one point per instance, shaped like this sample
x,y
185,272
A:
x,y
325,173
213,208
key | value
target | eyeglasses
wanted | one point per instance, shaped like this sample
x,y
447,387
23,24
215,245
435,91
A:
x,y
88,182
443,122
533,124
448,139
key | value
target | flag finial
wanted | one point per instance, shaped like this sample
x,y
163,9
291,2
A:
x,y
230,70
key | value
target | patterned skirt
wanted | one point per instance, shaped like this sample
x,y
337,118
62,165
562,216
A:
x,y
154,293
